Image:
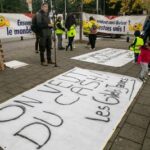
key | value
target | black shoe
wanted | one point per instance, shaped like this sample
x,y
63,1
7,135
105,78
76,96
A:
x,y
61,48
44,64
36,51
66,48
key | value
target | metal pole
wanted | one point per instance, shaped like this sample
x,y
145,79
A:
x,y
54,21
55,50
97,6
65,8
65,17
51,4
81,20
1,7
104,7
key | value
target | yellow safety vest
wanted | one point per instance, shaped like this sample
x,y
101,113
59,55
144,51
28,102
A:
x,y
58,30
138,44
86,29
72,31
91,23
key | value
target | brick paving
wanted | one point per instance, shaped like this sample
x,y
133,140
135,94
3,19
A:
x,y
133,132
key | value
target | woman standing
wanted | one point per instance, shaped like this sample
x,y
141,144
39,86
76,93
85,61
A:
x,y
71,30
93,26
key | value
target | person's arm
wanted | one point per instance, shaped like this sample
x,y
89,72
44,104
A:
x,y
134,42
60,26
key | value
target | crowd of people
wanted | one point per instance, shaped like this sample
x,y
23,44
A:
x,y
141,49
45,27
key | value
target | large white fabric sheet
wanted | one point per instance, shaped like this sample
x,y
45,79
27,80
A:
x,y
108,56
77,110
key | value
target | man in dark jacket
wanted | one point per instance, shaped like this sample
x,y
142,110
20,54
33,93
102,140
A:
x,y
44,25
146,30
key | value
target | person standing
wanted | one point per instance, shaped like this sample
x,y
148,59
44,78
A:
x,y
59,32
137,43
71,30
146,29
44,26
144,60
93,26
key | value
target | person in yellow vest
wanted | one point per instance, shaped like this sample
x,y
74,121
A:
x,y
86,31
59,32
93,26
71,30
137,43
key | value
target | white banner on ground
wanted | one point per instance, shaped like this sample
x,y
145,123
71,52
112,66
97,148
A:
x,y
117,24
77,110
15,25
108,56
14,64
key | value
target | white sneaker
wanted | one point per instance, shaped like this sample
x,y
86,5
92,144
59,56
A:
x,y
148,73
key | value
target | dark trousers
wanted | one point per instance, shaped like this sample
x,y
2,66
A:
x,y
70,41
45,44
92,38
37,42
136,55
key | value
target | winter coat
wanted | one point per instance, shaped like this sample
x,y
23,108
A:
x,y
144,55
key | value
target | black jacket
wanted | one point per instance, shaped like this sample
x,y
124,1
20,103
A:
x,y
43,20
146,27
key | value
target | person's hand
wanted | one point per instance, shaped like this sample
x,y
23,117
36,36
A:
x,y
50,25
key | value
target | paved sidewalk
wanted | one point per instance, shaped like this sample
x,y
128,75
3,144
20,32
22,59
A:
x,y
133,132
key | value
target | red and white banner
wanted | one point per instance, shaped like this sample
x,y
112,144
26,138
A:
x,y
15,25
117,24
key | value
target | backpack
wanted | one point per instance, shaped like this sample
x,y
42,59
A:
x,y
93,29
34,26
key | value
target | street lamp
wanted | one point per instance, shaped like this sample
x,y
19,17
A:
x,y
81,19
104,7
97,6
1,5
